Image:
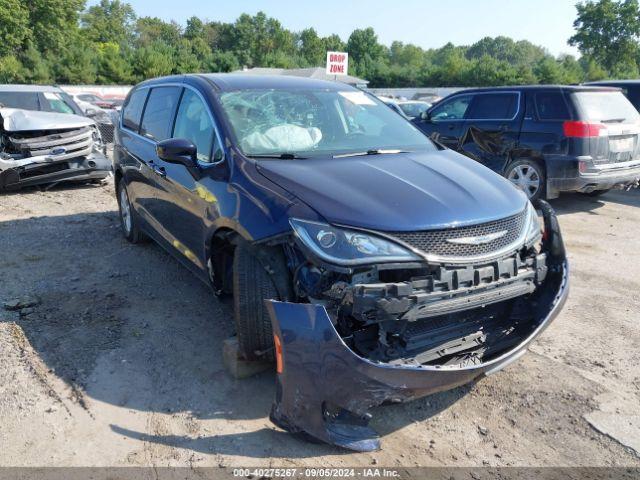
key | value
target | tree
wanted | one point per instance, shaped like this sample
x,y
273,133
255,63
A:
x,y
364,50
53,23
114,64
154,60
14,28
607,31
153,30
312,47
111,21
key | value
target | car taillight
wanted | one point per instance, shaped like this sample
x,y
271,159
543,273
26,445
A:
x,y
583,129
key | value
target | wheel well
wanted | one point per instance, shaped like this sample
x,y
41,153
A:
x,y
220,264
117,176
539,160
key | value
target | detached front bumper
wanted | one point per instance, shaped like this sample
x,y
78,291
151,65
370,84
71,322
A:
x,y
94,166
325,389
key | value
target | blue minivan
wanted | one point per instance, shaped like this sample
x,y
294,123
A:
x,y
372,264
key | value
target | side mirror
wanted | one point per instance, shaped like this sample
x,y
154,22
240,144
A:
x,y
178,150
91,112
426,116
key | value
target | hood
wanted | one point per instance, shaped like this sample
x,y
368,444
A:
x,y
401,192
16,120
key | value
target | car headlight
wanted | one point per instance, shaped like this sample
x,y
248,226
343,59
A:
x,y
534,229
348,247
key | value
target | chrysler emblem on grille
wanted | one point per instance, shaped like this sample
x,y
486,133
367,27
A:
x,y
478,239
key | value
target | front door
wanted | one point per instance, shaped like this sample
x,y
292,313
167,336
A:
x,y
445,121
188,198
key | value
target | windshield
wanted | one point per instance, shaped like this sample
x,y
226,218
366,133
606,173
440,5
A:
x,y
414,109
316,122
57,102
606,107
23,100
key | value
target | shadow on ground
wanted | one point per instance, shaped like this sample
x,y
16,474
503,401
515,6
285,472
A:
x,y
130,326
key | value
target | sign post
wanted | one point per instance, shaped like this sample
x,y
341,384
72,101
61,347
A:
x,y
337,63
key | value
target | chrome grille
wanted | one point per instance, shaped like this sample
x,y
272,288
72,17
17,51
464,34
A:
x,y
70,143
434,242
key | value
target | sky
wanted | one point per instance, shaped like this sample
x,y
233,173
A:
x,y
426,23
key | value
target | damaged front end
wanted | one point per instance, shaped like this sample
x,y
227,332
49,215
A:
x,y
397,331
42,147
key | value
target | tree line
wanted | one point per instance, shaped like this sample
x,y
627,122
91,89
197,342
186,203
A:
x,y
61,41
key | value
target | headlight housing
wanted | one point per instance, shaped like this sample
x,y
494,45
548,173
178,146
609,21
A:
x,y
348,247
533,227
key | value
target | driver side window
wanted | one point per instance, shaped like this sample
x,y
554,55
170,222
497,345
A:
x,y
193,122
453,109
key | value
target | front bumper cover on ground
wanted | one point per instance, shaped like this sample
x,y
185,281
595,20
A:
x,y
325,390
94,166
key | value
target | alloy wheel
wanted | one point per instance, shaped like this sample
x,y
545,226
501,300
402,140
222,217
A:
x,y
125,210
526,178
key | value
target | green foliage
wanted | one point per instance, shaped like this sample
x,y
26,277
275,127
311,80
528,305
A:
x,y
14,26
47,41
607,31
111,21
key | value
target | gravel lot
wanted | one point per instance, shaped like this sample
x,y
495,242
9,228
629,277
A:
x,y
119,362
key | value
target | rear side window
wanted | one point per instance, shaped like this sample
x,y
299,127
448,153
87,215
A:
x,y
24,100
551,106
158,113
493,106
132,109
606,106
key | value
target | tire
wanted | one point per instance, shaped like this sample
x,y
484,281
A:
x,y
529,176
251,286
130,229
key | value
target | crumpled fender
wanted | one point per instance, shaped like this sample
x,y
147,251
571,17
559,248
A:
x,y
325,390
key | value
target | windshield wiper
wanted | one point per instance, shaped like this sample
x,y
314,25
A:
x,y
614,120
374,151
281,156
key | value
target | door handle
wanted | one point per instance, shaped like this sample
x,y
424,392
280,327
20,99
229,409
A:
x,y
451,127
160,171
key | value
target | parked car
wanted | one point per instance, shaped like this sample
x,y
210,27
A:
x,y
413,108
545,139
48,98
371,263
94,99
630,89
393,105
45,147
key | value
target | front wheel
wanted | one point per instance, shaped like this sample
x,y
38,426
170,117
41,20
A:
x,y
527,175
252,284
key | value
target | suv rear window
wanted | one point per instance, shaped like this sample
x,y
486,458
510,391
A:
x,y
551,106
606,107
493,106
24,100
132,110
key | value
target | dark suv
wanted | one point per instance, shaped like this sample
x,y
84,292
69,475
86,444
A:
x,y
372,264
545,139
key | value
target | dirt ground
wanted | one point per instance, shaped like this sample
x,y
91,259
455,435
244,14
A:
x,y
119,363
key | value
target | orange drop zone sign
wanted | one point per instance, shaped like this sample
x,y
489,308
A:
x,y
337,63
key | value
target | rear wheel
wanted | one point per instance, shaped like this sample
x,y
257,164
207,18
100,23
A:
x,y
527,175
130,229
251,286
